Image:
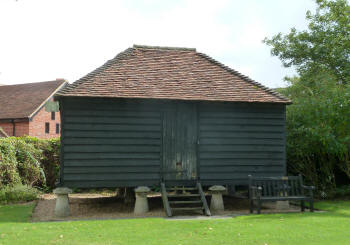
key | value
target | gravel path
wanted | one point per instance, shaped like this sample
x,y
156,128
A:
x,y
97,206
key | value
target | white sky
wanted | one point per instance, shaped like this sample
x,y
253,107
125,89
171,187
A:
x,y
42,40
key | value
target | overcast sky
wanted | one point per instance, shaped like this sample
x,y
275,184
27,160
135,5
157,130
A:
x,y
42,40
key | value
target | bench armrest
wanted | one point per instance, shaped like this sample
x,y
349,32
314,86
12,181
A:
x,y
310,189
255,192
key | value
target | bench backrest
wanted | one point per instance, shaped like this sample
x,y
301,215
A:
x,y
278,186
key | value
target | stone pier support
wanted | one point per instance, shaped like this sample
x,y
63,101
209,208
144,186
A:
x,y
62,201
141,203
217,203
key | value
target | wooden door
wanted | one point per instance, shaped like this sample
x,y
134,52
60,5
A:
x,y
180,142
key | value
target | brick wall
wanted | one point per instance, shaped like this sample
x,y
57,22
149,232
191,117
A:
x,y
22,128
37,125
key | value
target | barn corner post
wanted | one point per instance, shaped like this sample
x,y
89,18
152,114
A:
x,y
284,205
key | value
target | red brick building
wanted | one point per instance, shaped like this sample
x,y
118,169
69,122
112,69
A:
x,y
22,109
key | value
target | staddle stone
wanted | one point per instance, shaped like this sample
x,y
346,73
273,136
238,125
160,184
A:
x,y
141,203
217,202
62,201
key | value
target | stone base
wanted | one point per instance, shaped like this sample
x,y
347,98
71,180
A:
x,y
282,205
217,202
62,202
141,203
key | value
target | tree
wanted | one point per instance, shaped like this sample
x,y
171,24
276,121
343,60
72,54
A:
x,y
318,121
325,46
318,131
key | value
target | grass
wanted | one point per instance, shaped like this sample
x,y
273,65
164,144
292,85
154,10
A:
x,y
330,227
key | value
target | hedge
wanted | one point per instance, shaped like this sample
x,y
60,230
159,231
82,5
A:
x,y
29,161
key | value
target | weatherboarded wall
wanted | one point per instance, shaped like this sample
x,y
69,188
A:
x,y
110,143
241,139
121,142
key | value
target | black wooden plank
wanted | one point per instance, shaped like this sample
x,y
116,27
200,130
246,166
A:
x,y
246,128
111,113
241,134
241,141
112,162
241,168
242,148
110,183
218,176
111,127
111,148
103,155
120,105
111,141
113,120
111,134
241,121
236,155
240,107
112,176
247,115
110,170
241,162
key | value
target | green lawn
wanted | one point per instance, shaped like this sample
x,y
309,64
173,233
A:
x,y
329,228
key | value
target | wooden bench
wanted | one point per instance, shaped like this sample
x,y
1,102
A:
x,y
287,188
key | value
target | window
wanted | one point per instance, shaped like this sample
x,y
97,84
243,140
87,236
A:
x,y
53,115
47,128
57,128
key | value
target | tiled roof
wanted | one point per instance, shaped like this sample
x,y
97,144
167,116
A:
x,y
21,100
169,73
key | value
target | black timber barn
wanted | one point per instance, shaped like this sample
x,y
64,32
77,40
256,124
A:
x,y
154,114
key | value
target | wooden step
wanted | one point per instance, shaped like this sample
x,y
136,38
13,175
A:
x,y
185,202
183,195
187,209
188,199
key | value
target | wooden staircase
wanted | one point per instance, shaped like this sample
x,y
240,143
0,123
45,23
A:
x,y
184,198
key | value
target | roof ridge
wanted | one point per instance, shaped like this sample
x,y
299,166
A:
x,y
18,84
99,69
163,48
245,78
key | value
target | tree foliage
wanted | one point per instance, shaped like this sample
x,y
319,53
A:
x,y
318,121
318,131
324,46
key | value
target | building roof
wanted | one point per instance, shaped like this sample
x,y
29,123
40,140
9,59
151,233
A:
x,y
21,101
169,73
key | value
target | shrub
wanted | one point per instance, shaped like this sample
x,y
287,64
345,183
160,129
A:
x,y
18,193
28,164
30,161
8,164
342,192
50,153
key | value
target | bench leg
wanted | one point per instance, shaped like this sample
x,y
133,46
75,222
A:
x,y
302,205
251,206
259,206
311,205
